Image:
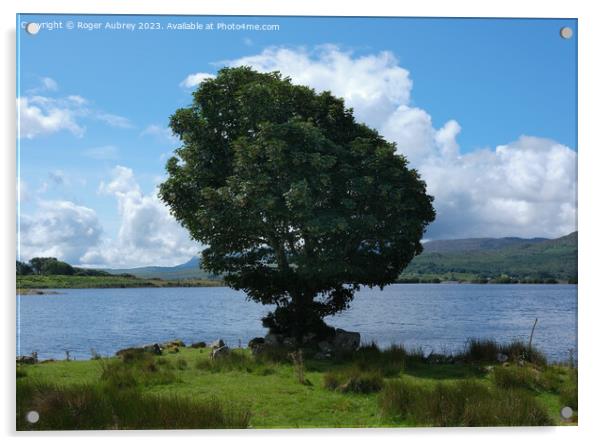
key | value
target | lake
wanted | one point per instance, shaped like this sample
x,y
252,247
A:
x,y
434,316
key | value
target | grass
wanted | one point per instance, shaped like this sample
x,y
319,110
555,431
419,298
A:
x,y
358,390
462,403
95,406
25,283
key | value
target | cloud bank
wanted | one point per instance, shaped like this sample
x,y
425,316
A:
x,y
526,187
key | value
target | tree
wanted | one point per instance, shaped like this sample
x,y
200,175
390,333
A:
x,y
297,204
50,266
23,268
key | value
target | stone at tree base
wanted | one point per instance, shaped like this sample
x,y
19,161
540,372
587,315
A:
x,y
325,347
217,344
346,340
501,358
220,352
288,342
272,339
255,341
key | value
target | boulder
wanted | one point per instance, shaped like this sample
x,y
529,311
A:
x,y
288,342
308,338
501,358
256,341
220,352
217,344
154,348
257,348
173,344
346,340
199,344
325,347
272,339
322,355
27,360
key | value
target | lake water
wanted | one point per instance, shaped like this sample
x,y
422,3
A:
x,y
437,316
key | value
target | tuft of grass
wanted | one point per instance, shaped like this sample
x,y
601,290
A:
x,y
486,351
354,380
128,374
461,403
234,361
181,364
389,362
515,377
86,407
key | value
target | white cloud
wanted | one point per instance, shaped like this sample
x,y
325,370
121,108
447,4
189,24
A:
x,y
42,115
524,188
374,85
192,80
23,193
105,152
113,120
49,84
161,133
148,234
38,117
59,229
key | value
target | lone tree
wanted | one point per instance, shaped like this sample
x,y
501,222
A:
x,y
298,204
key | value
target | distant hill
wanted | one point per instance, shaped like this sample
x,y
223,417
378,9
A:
x,y
488,258
472,259
476,244
188,270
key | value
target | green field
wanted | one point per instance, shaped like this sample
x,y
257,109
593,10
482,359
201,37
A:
x,y
369,389
109,281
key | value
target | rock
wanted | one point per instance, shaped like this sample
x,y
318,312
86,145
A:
x,y
488,368
501,358
155,348
173,344
346,340
272,339
325,347
257,348
256,341
427,351
220,352
27,359
308,338
199,344
217,344
289,342
322,356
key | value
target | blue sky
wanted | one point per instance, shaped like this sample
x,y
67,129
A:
x,y
484,109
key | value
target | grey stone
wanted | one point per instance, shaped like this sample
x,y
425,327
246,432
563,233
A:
x,y
217,344
220,352
289,342
272,339
326,347
346,340
256,341
501,358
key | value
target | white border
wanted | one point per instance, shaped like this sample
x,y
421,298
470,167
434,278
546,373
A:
x,y
590,39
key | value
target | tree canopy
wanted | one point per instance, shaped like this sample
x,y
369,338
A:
x,y
296,202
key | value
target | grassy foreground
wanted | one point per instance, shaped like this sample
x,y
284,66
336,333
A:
x,y
369,388
113,281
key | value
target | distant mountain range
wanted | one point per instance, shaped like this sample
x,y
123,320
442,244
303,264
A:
x,y
488,258
466,259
